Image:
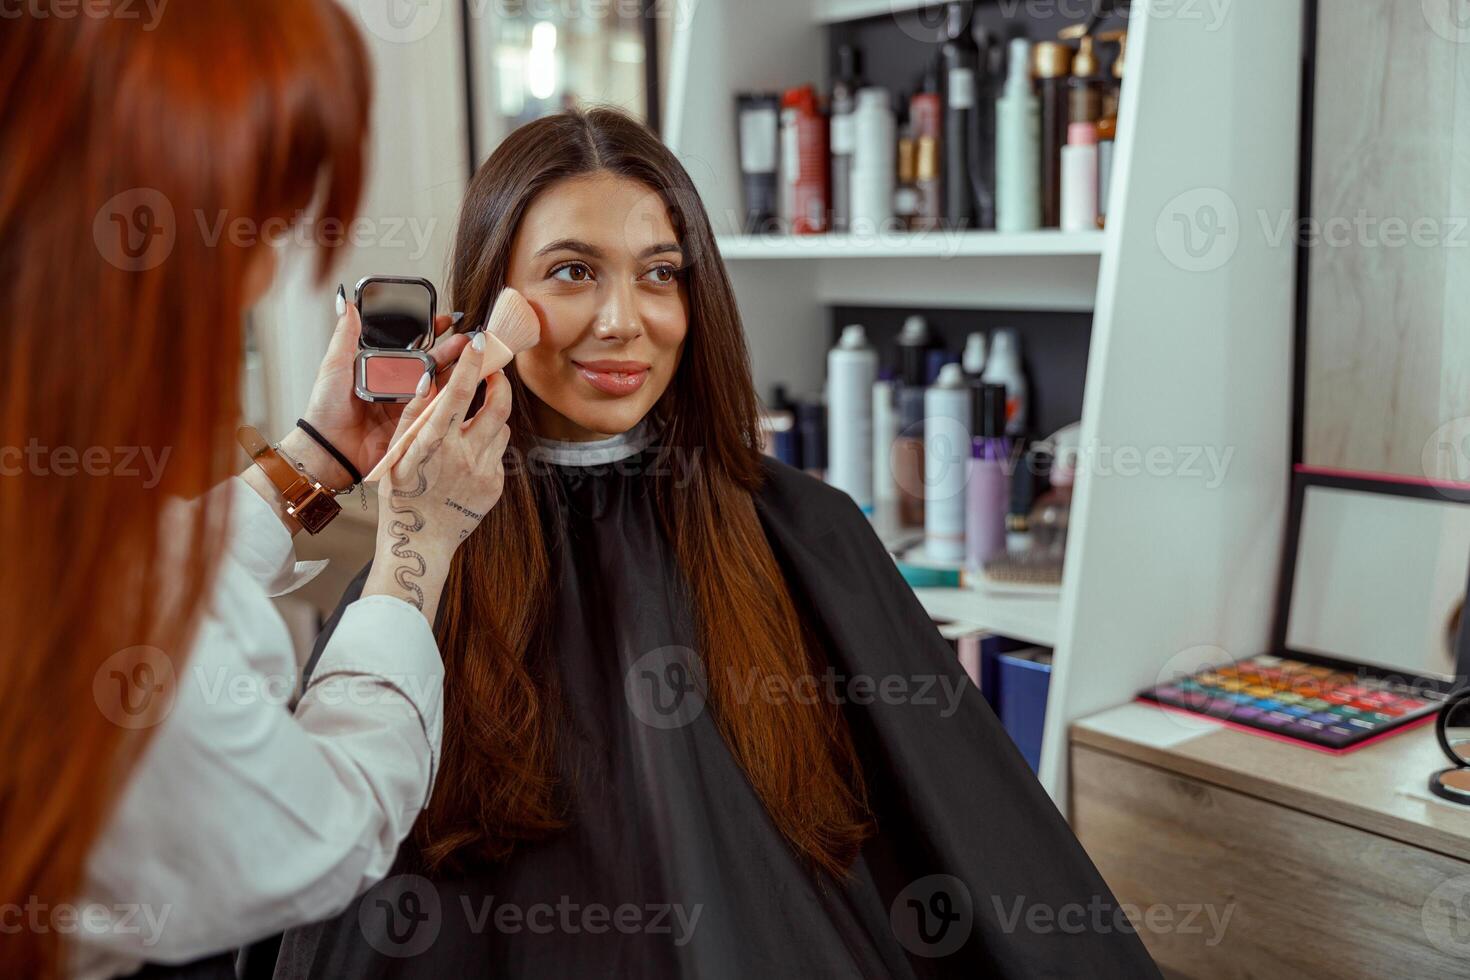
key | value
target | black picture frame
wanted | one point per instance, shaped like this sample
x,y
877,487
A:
x,y
1305,478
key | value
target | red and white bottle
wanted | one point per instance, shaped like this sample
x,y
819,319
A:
x,y
804,174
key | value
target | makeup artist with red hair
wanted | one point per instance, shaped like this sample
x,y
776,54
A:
x,y
158,800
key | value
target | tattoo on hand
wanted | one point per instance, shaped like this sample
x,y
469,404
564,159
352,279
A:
x,y
455,505
414,565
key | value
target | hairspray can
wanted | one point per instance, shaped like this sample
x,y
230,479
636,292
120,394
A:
x,y
946,464
852,371
872,162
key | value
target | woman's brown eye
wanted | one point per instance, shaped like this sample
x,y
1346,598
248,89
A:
x,y
574,272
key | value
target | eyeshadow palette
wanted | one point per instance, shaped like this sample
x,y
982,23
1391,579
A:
x,y
1322,706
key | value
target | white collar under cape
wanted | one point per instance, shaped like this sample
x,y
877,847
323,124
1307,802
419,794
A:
x,y
598,452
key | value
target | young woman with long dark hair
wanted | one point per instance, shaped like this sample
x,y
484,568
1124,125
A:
x,y
696,724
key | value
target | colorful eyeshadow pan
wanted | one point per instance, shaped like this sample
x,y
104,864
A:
x,y
1312,703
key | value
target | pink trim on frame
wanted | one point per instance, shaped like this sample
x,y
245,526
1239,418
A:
x,y
1367,477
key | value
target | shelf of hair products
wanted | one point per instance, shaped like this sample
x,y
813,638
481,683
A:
x,y
996,133
1005,130
934,443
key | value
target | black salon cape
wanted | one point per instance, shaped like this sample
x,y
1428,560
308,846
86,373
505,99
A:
x,y
973,872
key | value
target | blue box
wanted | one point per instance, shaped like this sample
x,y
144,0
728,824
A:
x,y
1021,682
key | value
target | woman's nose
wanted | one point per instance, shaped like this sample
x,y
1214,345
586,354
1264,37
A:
x,y
618,319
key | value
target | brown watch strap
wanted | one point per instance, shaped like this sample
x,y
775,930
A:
x,y
312,505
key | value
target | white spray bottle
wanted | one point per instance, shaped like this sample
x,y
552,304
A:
x,y
852,370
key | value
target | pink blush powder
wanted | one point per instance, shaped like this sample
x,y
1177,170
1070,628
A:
x,y
393,375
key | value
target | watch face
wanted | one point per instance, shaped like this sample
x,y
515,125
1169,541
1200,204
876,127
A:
x,y
316,511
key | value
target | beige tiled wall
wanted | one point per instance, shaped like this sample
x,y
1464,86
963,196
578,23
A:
x,y
1388,365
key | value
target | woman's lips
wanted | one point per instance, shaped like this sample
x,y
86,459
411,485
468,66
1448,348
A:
x,y
614,377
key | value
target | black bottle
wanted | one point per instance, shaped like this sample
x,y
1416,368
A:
x,y
844,99
960,58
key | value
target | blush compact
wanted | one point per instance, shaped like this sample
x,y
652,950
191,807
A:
x,y
397,331
390,375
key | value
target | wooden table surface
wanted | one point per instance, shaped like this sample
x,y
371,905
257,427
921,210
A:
x,y
1381,788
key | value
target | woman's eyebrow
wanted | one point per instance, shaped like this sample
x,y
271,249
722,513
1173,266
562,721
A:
x,y
570,245
660,249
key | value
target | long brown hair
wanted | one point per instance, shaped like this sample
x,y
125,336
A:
x,y
120,354
497,785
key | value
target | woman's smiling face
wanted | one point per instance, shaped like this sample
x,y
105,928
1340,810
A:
x,y
599,260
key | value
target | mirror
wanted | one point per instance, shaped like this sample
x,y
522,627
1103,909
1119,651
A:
x,y
396,315
1385,256
1380,579
1454,731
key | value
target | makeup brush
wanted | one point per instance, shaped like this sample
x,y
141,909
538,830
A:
x,y
513,327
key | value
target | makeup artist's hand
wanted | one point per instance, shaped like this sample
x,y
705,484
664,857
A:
x,y
447,480
363,430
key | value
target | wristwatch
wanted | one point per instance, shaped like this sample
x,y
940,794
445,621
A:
x,y
311,504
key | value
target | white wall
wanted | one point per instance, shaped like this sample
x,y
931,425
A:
x,y
418,172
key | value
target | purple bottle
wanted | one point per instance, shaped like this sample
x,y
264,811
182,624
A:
x,y
989,490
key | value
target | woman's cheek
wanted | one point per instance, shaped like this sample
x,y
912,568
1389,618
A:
x,y
666,320
561,319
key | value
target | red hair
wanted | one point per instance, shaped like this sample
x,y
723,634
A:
x,y
123,144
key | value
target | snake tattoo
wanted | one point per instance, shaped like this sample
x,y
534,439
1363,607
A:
x,y
401,529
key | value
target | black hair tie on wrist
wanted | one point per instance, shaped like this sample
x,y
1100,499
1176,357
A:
x,y
333,451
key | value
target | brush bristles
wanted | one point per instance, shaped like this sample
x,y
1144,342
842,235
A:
x,y
514,321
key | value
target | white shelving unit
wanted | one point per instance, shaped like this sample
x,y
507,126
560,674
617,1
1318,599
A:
x,y
912,245
1191,345
1030,616
835,11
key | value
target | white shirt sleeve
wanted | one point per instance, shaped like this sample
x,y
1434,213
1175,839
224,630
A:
x,y
242,819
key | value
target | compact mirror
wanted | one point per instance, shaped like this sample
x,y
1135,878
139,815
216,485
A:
x,y
1453,728
397,314
397,329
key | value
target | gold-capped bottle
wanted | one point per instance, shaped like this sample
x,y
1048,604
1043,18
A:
x,y
1053,66
1107,126
1085,100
